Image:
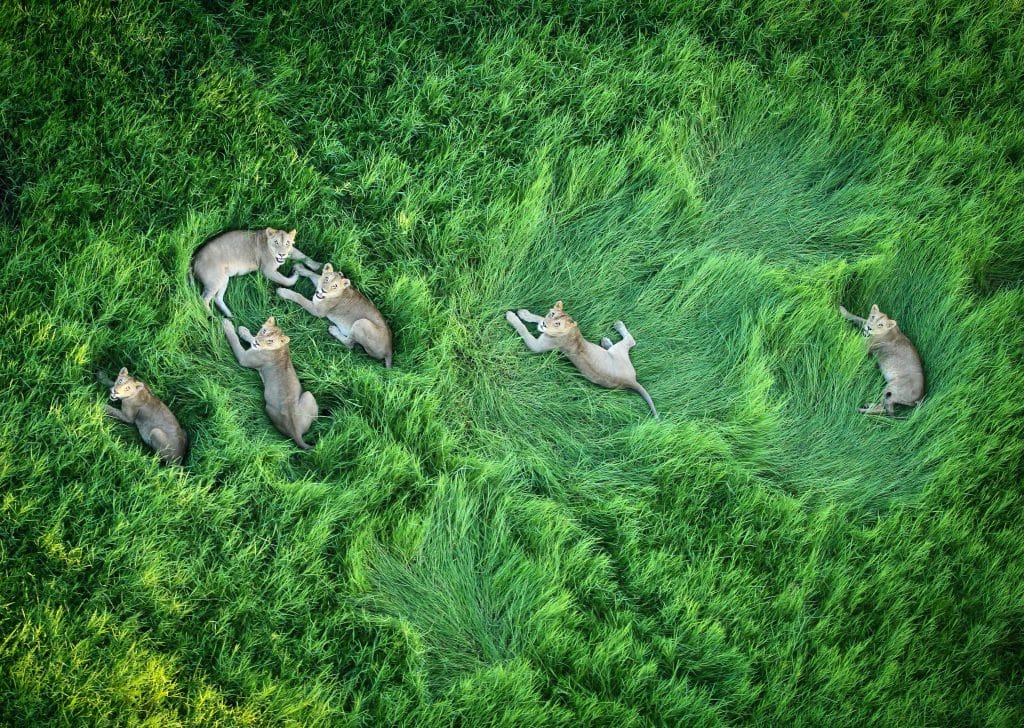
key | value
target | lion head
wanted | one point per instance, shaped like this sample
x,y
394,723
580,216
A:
x,y
280,243
331,284
557,322
878,323
125,386
269,336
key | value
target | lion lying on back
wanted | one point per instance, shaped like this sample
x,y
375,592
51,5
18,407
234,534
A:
x,y
239,252
157,425
607,365
354,319
291,409
897,358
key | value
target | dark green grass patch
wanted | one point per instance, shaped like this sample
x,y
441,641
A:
x,y
480,536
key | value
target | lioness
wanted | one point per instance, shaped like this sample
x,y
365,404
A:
x,y
354,319
156,423
290,409
897,358
607,365
239,252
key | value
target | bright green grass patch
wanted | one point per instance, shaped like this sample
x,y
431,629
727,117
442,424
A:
x,y
479,536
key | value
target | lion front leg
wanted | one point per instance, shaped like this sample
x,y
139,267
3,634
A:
x,y
532,318
534,344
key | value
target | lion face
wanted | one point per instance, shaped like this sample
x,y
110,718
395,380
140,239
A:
x,y
878,323
331,284
280,243
125,386
557,322
269,336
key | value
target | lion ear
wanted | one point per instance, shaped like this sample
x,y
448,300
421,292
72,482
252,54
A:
x,y
558,305
285,339
123,372
328,268
270,231
291,233
271,322
875,309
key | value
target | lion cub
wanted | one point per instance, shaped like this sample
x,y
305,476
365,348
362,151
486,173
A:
x,y
239,252
157,425
897,358
354,319
290,409
607,365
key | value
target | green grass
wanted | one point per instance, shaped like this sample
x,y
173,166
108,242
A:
x,y
479,535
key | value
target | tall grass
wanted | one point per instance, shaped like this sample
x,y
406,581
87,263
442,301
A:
x,y
480,536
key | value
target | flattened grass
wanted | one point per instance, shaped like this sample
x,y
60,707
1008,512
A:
x,y
479,535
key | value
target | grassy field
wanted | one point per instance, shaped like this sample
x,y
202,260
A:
x,y
480,536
